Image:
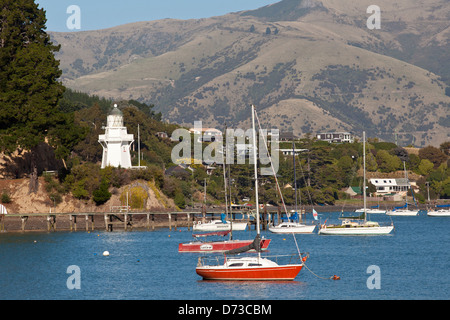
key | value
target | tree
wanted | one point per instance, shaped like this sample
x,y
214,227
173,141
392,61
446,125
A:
x,y
91,120
386,162
101,195
433,154
445,147
179,200
425,167
29,90
401,153
445,192
371,163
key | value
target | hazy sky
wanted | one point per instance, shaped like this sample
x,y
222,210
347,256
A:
x,y
100,14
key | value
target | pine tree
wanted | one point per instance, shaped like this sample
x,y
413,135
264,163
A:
x,y
29,90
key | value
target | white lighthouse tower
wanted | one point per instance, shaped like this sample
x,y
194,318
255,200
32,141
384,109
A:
x,y
116,141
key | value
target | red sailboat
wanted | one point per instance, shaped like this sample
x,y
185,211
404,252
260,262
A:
x,y
200,245
250,268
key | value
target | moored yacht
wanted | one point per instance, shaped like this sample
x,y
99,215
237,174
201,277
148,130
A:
x,y
357,228
250,268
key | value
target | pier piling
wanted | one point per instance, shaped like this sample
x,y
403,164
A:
x,y
51,222
112,220
24,221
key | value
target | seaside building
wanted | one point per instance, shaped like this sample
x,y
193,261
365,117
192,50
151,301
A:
x,y
290,151
336,137
391,186
116,141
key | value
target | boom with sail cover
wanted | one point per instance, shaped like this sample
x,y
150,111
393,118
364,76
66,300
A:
x,y
255,245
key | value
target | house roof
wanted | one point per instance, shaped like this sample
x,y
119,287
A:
x,y
175,169
389,182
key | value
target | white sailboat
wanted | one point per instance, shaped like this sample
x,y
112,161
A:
x,y
403,211
372,210
224,224
250,268
357,228
219,225
440,211
291,226
375,209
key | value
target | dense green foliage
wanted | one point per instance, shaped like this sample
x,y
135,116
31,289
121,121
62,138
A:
x,y
322,173
35,107
84,178
29,90
29,87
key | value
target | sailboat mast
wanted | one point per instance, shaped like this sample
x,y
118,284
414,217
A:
x,y
255,160
295,177
225,176
139,148
364,175
407,181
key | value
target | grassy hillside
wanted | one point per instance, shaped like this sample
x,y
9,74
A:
x,y
307,65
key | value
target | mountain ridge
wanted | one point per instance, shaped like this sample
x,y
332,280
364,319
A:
x,y
319,69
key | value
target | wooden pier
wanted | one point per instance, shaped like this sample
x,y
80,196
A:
x,y
123,220
110,221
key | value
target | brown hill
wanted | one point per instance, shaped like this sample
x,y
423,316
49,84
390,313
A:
x,y
307,65
24,202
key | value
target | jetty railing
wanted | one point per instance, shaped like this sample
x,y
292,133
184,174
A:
x,y
122,218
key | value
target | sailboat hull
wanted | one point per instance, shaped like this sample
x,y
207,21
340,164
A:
x,y
218,225
402,213
371,211
249,269
292,228
439,213
280,273
218,246
356,231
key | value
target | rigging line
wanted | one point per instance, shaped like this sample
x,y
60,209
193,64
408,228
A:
x,y
304,180
300,255
298,250
271,165
324,278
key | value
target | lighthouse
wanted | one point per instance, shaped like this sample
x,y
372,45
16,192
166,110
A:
x,y
116,141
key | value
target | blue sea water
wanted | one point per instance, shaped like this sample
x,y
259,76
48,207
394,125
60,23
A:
x,y
413,264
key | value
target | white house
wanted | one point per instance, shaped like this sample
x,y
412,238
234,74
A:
x,y
288,152
389,185
116,141
337,137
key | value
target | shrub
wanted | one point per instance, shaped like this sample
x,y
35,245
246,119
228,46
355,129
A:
x,y
79,191
56,198
101,195
179,200
5,197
